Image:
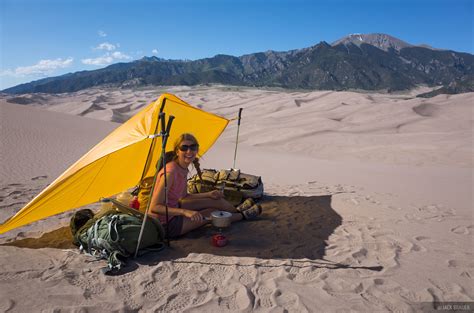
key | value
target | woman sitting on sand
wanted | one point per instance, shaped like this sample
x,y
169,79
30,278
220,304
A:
x,y
188,211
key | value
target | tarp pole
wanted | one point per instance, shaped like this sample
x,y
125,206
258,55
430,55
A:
x,y
160,116
152,146
164,140
237,139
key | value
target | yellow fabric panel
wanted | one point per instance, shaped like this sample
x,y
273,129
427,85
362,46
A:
x,y
117,162
136,129
204,126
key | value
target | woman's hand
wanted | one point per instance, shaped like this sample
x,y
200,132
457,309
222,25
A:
x,y
194,216
216,194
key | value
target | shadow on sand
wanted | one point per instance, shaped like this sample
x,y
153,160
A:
x,y
289,228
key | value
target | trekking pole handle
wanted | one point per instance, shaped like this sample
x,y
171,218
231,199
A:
x,y
162,120
167,133
240,115
168,127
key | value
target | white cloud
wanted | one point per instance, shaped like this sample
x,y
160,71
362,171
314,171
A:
x,y
101,33
106,46
120,56
106,59
103,60
42,68
154,51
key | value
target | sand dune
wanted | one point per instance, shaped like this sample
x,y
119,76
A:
x,y
368,205
335,125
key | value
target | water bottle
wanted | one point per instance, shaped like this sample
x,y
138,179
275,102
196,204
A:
x,y
134,204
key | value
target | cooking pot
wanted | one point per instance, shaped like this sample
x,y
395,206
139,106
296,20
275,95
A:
x,y
220,219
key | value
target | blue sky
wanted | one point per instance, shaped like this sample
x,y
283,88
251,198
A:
x,y
49,38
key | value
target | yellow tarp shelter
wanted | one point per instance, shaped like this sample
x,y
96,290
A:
x,y
121,160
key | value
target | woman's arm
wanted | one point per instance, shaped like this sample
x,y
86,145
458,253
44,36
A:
x,y
214,194
157,205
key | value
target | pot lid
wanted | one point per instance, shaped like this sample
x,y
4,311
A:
x,y
221,214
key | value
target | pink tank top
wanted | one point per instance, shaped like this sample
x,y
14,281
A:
x,y
178,189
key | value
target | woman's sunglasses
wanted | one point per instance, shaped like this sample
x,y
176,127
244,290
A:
x,y
193,147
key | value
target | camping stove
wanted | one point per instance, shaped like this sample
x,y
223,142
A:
x,y
220,220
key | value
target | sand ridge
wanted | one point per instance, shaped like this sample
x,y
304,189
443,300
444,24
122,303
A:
x,y
367,127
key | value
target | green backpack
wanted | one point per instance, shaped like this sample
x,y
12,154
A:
x,y
236,186
112,234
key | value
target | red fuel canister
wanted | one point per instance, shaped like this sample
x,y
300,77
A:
x,y
219,240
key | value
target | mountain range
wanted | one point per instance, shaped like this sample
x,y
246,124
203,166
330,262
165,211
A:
x,y
357,61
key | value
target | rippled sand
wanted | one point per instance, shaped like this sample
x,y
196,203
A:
x,y
368,205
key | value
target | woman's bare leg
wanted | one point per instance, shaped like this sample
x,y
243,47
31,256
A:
x,y
208,203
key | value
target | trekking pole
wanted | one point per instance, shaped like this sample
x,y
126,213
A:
x,y
237,139
163,140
